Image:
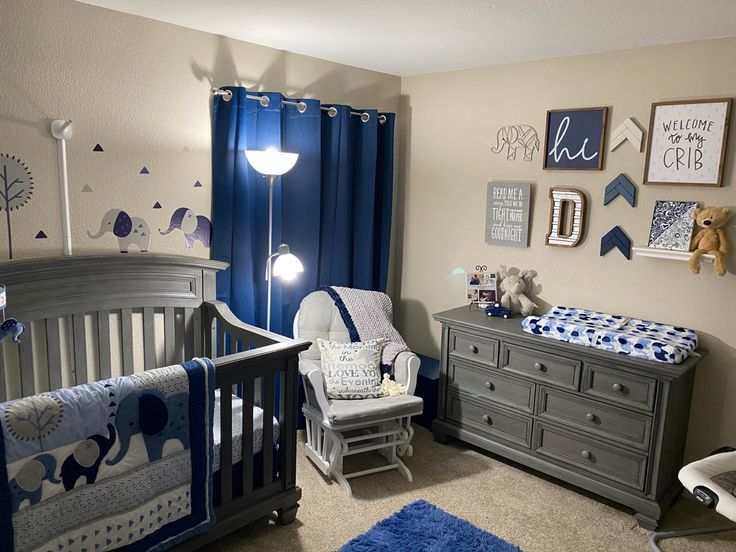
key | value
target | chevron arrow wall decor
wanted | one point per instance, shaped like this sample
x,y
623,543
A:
x,y
628,130
620,186
616,238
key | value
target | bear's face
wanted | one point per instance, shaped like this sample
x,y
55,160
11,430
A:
x,y
712,217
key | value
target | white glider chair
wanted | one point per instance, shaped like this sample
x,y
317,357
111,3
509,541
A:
x,y
712,481
340,428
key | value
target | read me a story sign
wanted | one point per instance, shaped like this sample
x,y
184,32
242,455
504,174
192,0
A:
x,y
687,142
507,213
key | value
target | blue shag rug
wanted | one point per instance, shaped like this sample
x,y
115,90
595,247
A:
x,y
422,527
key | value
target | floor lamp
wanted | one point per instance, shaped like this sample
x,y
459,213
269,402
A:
x,y
281,263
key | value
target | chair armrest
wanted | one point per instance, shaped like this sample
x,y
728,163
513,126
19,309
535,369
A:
x,y
313,378
406,370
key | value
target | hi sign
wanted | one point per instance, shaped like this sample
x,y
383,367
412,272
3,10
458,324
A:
x,y
574,138
687,142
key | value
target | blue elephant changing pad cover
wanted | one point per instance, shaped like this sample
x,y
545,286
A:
x,y
618,334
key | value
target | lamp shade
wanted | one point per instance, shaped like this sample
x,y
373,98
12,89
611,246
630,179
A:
x,y
271,162
287,265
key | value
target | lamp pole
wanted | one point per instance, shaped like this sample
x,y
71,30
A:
x,y
271,180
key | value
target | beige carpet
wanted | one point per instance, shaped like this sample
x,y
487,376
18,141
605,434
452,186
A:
x,y
534,513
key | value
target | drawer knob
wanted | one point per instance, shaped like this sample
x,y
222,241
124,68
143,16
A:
x,y
539,366
590,417
489,385
585,454
617,387
486,418
473,349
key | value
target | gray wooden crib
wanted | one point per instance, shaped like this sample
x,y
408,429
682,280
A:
x,y
91,318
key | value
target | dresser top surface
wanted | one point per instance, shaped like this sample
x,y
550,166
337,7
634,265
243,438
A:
x,y
476,319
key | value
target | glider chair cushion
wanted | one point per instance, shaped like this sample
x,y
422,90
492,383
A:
x,y
319,318
370,410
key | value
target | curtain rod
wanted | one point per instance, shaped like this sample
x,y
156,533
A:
x,y
227,95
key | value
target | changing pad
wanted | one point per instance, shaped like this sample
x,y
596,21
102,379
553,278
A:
x,y
627,336
238,430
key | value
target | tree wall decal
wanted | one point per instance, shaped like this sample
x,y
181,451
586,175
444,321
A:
x,y
16,189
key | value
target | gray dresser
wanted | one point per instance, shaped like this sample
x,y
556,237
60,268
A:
x,y
605,422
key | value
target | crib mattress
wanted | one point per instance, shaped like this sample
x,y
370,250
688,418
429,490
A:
x,y
627,336
238,430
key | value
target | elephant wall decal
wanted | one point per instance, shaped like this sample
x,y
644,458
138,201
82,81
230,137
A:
x,y
11,328
86,459
158,418
195,227
27,483
129,230
514,137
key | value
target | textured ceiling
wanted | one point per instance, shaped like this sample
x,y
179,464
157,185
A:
x,y
408,37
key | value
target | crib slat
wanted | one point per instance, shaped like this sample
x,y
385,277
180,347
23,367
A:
x,y
149,340
226,445
169,335
27,385
268,429
103,343
247,436
188,333
287,464
221,340
126,323
197,333
53,352
80,348
3,388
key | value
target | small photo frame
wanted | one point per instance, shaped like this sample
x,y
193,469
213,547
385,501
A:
x,y
574,139
480,287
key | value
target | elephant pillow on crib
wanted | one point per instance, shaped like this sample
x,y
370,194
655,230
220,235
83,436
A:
x,y
351,370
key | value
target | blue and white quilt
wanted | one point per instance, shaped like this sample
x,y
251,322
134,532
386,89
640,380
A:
x,y
618,334
121,464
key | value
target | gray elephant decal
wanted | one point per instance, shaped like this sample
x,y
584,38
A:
x,y
129,230
195,227
515,137
28,482
157,417
86,459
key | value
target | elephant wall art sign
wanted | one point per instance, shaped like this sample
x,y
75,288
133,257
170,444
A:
x,y
194,227
129,230
513,137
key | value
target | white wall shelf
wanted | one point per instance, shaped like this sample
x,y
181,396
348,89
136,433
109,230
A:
x,y
667,254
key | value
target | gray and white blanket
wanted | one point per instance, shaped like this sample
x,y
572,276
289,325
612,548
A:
x,y
368,315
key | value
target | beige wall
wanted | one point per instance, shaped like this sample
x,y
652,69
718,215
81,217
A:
x,y
141,89
449,124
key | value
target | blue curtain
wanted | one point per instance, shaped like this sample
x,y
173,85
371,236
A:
x,y
333,208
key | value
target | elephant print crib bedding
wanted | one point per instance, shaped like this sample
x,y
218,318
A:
x,y
120,464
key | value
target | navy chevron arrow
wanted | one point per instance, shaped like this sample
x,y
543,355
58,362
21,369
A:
x,y
616,238
620,185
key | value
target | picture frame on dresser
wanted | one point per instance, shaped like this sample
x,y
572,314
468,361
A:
x,y
607,423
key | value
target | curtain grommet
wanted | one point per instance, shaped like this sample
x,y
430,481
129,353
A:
x,y
365,117
265,101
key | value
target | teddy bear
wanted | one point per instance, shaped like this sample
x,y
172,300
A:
x,y
710,239
514,288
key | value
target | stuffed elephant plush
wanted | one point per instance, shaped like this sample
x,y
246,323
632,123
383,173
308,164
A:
x,y
157,417
27,483
86,459
194,227
514,288
129,230
11,328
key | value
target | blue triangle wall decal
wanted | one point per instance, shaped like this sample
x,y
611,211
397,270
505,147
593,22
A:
x,y
98,147
144,170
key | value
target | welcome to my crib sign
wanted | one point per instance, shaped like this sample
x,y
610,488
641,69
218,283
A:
x,y
687,142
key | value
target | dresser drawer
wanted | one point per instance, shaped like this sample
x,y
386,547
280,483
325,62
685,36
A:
x,y
492,385
601,461
552,369
609,422
472,347
485,418
619,387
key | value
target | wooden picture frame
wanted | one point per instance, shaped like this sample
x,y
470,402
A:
x,y
657,139
577,149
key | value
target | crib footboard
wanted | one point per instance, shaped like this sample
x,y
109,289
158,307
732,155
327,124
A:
x,y
261,368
